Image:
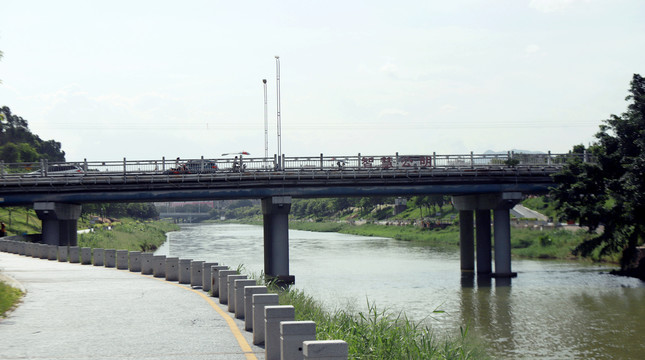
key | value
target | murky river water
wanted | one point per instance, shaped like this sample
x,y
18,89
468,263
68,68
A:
x,y
553,309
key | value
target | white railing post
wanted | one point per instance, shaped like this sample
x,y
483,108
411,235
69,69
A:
x,y
434,160
548,159
163,163
359,161
321,161
472,160
124,167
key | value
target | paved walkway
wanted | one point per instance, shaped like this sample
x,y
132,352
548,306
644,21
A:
x,y
74,311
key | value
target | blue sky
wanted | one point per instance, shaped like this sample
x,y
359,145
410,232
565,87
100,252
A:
x,y
146,79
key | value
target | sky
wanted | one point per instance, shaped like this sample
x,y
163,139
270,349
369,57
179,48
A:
x,y
152,79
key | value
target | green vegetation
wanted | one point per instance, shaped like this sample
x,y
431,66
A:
x,y
129,234
19,144
20,220
610,191
377,334
9,297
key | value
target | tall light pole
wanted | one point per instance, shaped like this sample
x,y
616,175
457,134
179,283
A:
x,y
266,121
279,123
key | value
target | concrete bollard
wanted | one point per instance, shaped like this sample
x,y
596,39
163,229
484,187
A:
x,y
122,260
325,350
196,268
22,246
206,276
99,257
74,254
159,266
146,263
230,283
27,247
249,291
110,258
184,271
238,295
273,315
292,335
259,302
35,249
135,261
215,279
172,269
43,252
52,252
86,255
223,286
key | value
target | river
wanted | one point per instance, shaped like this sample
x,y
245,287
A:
x,y
553,309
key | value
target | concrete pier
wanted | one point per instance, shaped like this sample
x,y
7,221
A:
x,y
249,291
58,222
275,212
466,241
196,269
230,283
273,315
292,335
99,257
172,269
110,258
122,260
184,271
239,286
260,301
159,266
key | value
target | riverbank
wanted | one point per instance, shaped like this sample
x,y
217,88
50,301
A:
x,y
128,234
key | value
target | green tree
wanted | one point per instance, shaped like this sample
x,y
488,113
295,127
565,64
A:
x,y
611,190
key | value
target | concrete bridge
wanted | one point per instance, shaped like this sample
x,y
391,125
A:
x,y
479,184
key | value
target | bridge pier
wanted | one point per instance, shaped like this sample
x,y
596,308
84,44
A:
x,y
59,222
275,212
500,204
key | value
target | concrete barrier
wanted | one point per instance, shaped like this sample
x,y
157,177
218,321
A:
x,y
4,245
135,261
74,254
196,269
52,251
215,279
27,247
238,295
206,276
249,291
110,258
63,253
223,285
230,283
159,266
86,256
99,257
292,335
325,350
43,251
122,260
22,246
172,268
146,263
273,315
184,271
260,301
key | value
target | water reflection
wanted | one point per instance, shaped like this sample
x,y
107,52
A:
x,y
553,309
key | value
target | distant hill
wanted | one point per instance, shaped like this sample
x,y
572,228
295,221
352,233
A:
x,y
19,144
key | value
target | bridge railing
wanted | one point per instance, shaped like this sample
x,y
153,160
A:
x,y
322,162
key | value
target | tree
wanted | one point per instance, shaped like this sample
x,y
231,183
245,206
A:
x,y
610,191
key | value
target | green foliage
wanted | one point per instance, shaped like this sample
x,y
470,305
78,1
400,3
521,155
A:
x,y
129,235
20,220
142,211
378,334
19,144
542,204
9,297
610,191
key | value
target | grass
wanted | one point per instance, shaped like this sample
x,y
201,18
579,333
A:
x,y
131,235
20,220
377,334
9,297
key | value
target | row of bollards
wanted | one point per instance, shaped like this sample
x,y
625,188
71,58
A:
x,y
272,324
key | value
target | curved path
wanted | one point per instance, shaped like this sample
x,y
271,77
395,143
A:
x,y
74,311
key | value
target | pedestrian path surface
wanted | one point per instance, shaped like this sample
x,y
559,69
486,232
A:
x,y
74,311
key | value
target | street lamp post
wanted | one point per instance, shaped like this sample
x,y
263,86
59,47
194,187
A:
x,y
279,123
266,121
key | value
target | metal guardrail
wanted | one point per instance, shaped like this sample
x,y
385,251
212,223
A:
x,y
215,166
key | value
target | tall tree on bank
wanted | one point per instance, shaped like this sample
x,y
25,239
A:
x,y
611,190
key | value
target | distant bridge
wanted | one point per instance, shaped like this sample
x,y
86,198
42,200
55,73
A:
x,y
478,182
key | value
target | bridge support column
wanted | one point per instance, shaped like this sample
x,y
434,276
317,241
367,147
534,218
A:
x,y
466,241
59,222
500,204
276,238
482,222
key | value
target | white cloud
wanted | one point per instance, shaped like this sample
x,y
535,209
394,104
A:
x,y
548,6
392,112
531,49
